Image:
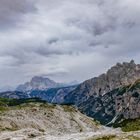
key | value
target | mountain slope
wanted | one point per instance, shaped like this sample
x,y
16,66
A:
x,y
120,103
100,97
51,95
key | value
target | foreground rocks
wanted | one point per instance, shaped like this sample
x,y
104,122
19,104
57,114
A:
x,y
103,134
38,119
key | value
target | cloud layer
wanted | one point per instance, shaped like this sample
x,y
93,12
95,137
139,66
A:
x,y
66,40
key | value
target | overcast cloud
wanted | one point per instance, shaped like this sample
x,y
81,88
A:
x,y
66,40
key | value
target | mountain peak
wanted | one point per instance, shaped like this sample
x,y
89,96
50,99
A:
x,y
131,64
120,74
39,78
37,83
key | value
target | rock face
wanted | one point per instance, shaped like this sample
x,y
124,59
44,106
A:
x,y
100,98
37,83
120,103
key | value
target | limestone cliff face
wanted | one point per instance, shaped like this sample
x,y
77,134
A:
x,y
127,101
119,75
100,97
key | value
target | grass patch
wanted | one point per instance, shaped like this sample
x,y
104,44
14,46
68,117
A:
x,y
3,108
128,125
16,102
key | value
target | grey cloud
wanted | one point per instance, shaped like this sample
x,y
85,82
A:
x,y
11,12
66,38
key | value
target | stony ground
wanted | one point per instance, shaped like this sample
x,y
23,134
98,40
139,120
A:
x,y
32,134
28,121
39,121
25,134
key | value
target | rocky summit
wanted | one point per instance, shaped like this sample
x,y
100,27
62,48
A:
x,y
37,83
111,96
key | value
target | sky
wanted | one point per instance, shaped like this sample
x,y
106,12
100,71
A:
x,y
66,40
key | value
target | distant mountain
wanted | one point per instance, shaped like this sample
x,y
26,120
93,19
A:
x,y
6,88
43,88
100,97
37,83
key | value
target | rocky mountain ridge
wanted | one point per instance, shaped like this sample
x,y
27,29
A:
x,y
119,75
99,97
